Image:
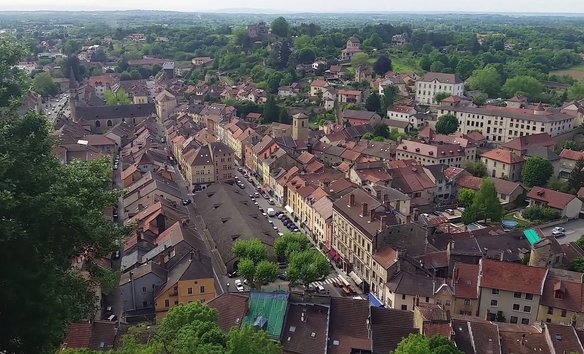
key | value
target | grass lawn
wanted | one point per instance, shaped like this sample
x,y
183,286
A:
x,y
404,64
576,71
521,223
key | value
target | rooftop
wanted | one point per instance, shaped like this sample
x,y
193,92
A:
x,y
509,276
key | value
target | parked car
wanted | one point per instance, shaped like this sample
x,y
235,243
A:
x,y
232,274
239,285
187,202
558,231
271,202
112,318
438,213
450,211
256,195
282,275
241,186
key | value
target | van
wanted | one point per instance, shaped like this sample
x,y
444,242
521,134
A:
x,y
271,212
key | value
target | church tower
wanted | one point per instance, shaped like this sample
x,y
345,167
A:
x,y
73,94
300,126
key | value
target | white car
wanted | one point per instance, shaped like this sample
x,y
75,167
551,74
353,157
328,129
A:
x,y
239,285
558,231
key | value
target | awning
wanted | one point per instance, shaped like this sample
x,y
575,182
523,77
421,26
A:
x,y
289,209
374,301
334,255
355,278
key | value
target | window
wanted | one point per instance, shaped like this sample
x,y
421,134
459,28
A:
x,y
517,295
404,307
526,308
202,289
176,302
516,307
550,310
143,289
403,296
493,302
166,303
564,313
190,291
109,123
528,296
97,124
467,302
525,321
495,291
513,319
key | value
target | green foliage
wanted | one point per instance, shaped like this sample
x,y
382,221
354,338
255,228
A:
x,y
476,168
359,59
373,102
253,264
466,196
485,205
577,265
576,91
13,83
464,68
437,66
382,65
252,249
580,242
374,41
271,110
480,100
290,242
266,272
389,97
307,266
523,85
418,344
488,80
280,27
559,185
447,124
43,84
537,171
539,213
306,55
576,178
117,98
440,96
247,340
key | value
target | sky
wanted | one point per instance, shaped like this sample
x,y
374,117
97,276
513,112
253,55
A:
x,y
520,6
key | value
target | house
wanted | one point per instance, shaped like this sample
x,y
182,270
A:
x,y
136,89
507,191
349,96
317,86
568,205
509,292
432,83
202,61
137,287
414,181
165,104
99,119
503,163
231,309
351,49
355,118
93,335
464,284
426,154
288,91
562,301
399,39
568,160
501,124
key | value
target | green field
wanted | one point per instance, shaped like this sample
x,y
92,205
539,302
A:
x,y
577,72
404,65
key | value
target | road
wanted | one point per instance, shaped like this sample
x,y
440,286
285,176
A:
x,y
56,106
574,229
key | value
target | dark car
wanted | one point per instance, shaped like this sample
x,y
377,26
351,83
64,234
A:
x,y
241,186
438,213
116,255
282,276
232,274
187,202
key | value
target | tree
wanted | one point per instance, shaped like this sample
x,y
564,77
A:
x,y
447,124
580,242
280,27
253,264
135,74
273,81
466,196
416,343
266,272
486,205
537,171
480,100
437,66
440,96
44,85
306,55
373,102
271,110
125,76
577,265
374,41
539,214
487,80
576,91
559,185
290,242
464,68
389,97
381,130
576,178
476,168
252,249
307,266
117,98
359,59
382,65
13,83
247,340
523,85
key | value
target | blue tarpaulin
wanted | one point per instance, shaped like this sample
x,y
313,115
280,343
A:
x,y
374,301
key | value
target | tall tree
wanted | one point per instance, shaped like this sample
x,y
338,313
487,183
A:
x,y
373,102
382,65
44,84
487,80
576,178
466,196
523,85
576,91
389,97
307,266
248,340
253,263
51,213
486,205
447,124
537,171
271,110
418,344
280,27
476,168
290,242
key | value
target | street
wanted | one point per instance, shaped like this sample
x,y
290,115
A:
x,y
574,229
56,106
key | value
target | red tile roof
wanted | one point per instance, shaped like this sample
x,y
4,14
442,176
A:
x,y
511,276
523,142
464,280
553,199
502,155
386,257
318,83
572,155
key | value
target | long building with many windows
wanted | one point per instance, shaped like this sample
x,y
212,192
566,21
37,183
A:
x,y
501,124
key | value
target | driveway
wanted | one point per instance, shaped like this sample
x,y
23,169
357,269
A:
x,y
574,229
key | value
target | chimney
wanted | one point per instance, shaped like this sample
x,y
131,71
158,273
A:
x,y
364,210
352,200
417,301
161,260
382,222
139,233
371,214
456,275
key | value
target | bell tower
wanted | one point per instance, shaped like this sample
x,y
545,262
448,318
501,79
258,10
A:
x,y
300,126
